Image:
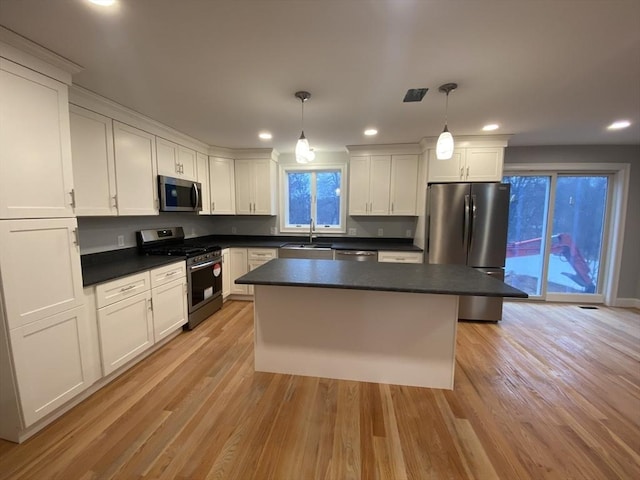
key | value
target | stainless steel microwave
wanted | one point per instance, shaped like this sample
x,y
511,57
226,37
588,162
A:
x,y
178,195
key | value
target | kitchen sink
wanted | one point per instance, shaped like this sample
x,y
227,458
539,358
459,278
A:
x,y
306,250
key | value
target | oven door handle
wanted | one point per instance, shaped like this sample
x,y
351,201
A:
x,y
194,268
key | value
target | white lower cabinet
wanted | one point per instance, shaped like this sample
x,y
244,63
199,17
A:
x,y
238,266
257,257
169,308
226,273
52,362
400,257
125,329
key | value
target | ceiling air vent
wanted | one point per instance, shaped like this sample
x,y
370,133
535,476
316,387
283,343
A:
x,y
415,94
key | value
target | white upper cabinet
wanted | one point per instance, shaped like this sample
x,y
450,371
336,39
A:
x,y
36,179
136,174
40,274
94,171
202,167
223,186
383,185
471,164
404,184
369,185
175,160
255,181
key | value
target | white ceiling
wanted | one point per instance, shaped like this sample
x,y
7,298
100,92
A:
x,y
549,72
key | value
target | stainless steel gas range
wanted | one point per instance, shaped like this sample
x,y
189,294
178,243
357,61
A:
x,y
204,268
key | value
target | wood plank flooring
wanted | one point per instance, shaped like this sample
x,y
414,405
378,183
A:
x,y
551,392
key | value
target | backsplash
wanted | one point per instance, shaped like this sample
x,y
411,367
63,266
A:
x,y
98,234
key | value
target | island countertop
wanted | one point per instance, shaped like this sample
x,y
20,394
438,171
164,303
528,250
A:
x,y
390,277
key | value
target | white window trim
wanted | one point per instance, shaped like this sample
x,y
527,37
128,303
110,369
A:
x,y
620,194
284,169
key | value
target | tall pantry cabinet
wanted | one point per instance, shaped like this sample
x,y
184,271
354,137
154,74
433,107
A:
x,y
47,355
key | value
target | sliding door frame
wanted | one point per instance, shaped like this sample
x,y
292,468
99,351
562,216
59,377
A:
x,y
613,233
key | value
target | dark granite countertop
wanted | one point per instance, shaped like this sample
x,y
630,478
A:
x,y
337,243
104,266
391,277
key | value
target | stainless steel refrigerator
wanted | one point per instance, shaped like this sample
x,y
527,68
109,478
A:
x,y
467,225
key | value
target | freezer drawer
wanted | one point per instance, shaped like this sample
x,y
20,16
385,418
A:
x,y
488,309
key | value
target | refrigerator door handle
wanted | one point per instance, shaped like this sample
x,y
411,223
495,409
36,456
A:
x,y
473,219
465,230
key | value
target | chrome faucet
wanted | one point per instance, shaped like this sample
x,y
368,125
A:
x,y
311,230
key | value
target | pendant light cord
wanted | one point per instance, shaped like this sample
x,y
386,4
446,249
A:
x,y
446,111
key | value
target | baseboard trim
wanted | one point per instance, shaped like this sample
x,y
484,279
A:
x,y
627,302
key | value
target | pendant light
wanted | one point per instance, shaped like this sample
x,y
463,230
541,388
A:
x,y
444,147
303,151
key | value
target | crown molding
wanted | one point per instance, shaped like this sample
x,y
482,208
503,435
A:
x,y
384,149
462,141
255,153
29,54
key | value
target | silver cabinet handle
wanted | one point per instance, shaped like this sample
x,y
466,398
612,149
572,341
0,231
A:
x,y
126,289
213,206
170,273
75,237
467,170
461,172
115,201
73,197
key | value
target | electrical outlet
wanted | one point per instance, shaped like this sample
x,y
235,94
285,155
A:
x,y
234,230
380,232
121,240
274,231
353,232
408,233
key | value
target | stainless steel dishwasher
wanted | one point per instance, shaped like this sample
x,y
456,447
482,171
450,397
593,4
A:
x,y
357,255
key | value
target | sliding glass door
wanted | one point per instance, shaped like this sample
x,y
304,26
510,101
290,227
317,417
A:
x,y
556,235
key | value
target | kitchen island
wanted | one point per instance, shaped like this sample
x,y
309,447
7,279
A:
x,y
372,322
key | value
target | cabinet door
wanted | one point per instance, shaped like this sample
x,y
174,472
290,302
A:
x,y
263,173
126,330
451,170
244,187
203,177
36,176
379,184
187,163
169,307
167,157
223,188
358,185
404,184
400,257
136,174
40,273
238,267
94,171
51,362
226,273
484,164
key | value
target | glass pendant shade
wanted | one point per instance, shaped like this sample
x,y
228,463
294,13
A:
x,y
444,147
302,150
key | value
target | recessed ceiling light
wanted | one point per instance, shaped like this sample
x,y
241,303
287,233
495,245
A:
x,y
490,127
619,124
103,3
265,136
369,132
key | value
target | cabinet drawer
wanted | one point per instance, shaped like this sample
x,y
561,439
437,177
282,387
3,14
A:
x,y
262,254
400,257
116,290
167,273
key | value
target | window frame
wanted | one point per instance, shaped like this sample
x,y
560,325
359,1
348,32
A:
x,y
284,195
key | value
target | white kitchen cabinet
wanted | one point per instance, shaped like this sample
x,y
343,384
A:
x,y
223,186
40,268
238,266
404,185
472,164
226,273
136,170
52,362
202,167
94,170
256,186
369,185
257,257
400,257
175,160
36,179
168,298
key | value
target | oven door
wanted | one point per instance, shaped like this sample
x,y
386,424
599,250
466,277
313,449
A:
x,y
204,282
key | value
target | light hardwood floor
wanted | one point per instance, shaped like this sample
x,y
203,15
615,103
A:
x,y
553,391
